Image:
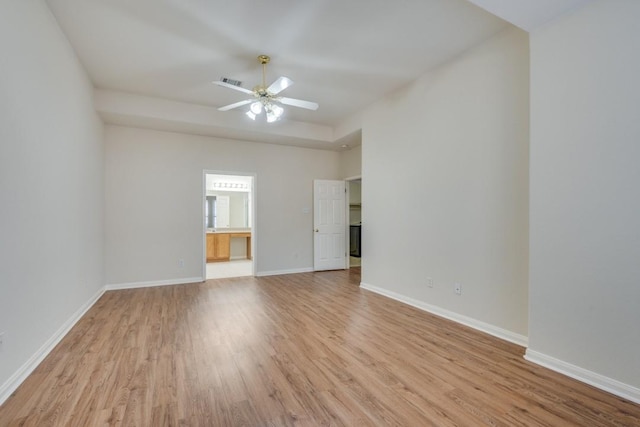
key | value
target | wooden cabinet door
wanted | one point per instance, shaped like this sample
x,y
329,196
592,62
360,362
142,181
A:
x,y
222,248
218,247
211,247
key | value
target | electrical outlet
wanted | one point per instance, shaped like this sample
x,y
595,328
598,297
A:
x,y
430,282
181,263
457,288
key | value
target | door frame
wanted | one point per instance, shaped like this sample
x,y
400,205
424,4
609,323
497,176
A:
x,y
348,215
254,216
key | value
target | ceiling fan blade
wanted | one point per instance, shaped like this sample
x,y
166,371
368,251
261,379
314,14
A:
x,y
234,87
236,105
279,85
299,103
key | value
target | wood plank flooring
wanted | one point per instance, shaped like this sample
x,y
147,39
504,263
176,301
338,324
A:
x,y
309,349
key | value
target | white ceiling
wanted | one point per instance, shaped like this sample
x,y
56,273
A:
x,y
152,61
529,14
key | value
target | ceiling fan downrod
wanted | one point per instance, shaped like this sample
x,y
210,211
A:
x,y
264,60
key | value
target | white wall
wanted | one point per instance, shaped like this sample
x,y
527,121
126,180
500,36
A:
x,y
351,162
585,191
154,201
51,185
445,174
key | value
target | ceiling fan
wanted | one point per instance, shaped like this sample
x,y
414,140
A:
x,y
266,98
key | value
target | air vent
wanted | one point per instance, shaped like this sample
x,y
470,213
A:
x,y
231,81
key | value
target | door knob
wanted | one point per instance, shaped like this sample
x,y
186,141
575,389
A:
x,y
317,230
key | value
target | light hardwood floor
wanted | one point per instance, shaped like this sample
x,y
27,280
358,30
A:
x,y
308,349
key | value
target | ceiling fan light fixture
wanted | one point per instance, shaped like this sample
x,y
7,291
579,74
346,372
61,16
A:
x,y
273,112
277,110
271,117
256,108
251,115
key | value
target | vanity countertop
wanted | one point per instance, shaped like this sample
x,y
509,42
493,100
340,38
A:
x,y
228,230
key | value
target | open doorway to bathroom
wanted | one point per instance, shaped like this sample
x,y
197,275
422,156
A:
x,y
228,219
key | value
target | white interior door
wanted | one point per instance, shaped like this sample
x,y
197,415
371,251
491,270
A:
x,y
329,216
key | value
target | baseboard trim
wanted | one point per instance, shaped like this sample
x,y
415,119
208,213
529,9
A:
x,y
607,384
12,384
149,284
280,272
459,318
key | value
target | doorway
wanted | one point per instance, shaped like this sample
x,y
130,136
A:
x,y
337,224
228,224
354,191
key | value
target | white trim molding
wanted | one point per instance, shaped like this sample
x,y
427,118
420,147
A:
x,y
459,318
12,384
607,384
152,283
